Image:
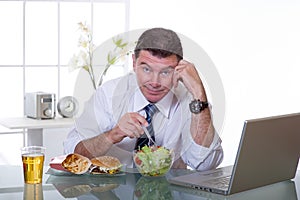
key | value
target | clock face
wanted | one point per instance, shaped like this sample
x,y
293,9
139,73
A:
x,y
67,106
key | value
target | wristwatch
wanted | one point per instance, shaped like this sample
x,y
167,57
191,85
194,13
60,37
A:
x,y
196,106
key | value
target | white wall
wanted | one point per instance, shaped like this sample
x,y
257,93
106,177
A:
x,y
255,46
53,141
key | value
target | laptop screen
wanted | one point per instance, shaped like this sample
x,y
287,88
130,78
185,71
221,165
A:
x,y
268,152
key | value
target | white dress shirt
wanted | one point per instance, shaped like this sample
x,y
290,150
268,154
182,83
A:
x,y
171,123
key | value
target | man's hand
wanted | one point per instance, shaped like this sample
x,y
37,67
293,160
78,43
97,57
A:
x,y
201,125
130,125
187,73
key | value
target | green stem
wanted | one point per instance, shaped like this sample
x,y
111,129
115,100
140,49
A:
x,y
103,74
91,70
92,77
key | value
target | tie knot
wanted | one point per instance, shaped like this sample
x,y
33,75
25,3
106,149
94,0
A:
x,y
150,109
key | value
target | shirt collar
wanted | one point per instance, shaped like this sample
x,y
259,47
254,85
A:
x,y
164,105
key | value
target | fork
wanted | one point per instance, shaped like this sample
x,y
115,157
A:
x,y
149,137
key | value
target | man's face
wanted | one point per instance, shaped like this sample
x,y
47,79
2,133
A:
x,y
154,75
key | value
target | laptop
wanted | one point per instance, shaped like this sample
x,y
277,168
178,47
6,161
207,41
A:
x,y
268,153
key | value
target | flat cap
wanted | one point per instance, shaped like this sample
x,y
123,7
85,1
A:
x,y
160,38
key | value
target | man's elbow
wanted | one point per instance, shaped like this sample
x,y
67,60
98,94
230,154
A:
x,y
81,149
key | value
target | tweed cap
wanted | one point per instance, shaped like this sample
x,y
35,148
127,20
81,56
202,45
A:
x,y
160,38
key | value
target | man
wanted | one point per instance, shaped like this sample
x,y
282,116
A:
x,y
113,118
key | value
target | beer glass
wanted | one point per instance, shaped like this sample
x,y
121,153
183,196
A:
x,y
33,163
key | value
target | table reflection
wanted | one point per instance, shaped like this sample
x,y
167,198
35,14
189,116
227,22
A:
x,y
134,186
152,188
100,187
87,186
33,192
129,185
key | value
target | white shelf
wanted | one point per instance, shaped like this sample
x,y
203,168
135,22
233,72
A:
x,y
35,127
28,123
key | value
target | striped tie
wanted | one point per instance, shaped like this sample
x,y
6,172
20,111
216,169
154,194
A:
x,y
150,109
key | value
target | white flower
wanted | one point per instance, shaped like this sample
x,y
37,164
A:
x,y
83,42
86,47
81,60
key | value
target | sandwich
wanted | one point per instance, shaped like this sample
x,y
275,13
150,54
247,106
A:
x,y
76,163
105,165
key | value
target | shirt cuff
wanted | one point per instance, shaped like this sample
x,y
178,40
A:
x,y
72,140
197,154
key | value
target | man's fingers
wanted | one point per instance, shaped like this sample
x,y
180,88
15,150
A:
x,y
131,123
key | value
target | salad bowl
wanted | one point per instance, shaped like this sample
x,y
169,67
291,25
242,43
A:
x,y
153,160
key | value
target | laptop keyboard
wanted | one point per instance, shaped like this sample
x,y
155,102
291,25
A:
x,y
222,182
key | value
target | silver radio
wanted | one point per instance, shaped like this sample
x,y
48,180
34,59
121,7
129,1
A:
x,y
40,105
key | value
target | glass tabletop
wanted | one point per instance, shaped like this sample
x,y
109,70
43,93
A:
x,y
125,185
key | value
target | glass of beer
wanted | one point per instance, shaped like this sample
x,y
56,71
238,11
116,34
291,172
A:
x,y
33,163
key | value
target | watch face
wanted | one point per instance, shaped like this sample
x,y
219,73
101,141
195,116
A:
x,y
67,106
195,107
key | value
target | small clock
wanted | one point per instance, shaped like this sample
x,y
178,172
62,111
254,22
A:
x,y
67,106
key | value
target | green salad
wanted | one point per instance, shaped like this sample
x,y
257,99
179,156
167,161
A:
x,y
153,161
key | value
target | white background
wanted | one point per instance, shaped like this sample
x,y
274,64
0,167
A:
x,y
255,46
